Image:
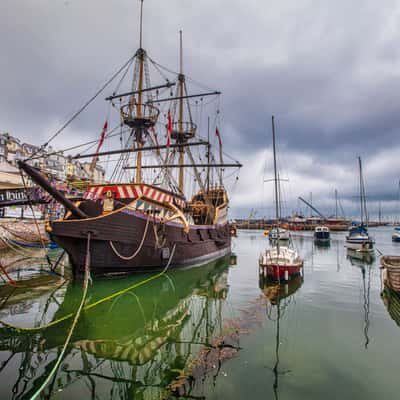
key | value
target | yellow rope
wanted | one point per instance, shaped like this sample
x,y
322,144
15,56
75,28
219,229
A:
x,y
96,303
128,258
74,322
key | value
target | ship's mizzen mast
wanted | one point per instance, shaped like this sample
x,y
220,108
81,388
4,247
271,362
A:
x,y
182,130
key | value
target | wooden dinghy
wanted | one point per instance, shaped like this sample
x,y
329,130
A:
x,y
391,271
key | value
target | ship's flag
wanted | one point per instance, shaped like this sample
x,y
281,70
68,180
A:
x,y
101,141
220,144
169,128
102,136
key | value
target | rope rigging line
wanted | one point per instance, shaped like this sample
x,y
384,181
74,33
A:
x,y
81,109
96,303
61,152
125,258
11,281
74,322
177,73
33,214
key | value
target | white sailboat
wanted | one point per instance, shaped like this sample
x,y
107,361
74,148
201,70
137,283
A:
x,y
279,263
358,237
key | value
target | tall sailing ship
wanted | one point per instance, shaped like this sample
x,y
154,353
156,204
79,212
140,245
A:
x,y
144,224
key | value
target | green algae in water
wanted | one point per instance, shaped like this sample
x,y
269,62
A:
x,y
215,332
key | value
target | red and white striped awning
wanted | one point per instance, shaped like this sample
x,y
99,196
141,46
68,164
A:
x,y
133,191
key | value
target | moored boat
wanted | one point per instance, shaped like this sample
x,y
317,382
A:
x,y
322,234
278,234
358,237
390,266
396,234
144,224
279,263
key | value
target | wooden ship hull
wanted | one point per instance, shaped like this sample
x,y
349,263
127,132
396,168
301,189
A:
x,y
149,229
117,236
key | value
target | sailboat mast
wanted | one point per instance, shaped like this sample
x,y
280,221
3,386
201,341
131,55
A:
x,y
275,174
336,204
380,213
139,138
361,191
181,80
208,154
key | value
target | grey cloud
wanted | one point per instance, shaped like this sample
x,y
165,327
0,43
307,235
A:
x,y
327,70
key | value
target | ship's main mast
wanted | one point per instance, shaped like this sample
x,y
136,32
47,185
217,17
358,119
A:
x,y
181,80
140,54
136,114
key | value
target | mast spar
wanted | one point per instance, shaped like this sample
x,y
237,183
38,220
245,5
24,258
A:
x,y
139,104
138,114
183,130
181,80
361,191
276,181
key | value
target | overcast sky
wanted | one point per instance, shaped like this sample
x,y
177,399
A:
x,y
328,71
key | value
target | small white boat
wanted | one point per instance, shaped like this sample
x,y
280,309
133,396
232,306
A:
x,y
322,234
358,239
278,234
280,263
396,234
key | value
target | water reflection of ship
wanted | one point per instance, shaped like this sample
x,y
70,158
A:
x,y
391,299
322,244
280,296
363,261
136,343
360,258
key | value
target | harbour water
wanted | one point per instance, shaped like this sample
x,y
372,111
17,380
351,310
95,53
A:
x,y
216,332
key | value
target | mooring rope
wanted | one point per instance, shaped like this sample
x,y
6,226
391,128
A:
x,y
10,280
75,321
14,247
11,232
33,214
126,258
96,303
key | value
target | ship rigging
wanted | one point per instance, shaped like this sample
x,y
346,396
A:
x,y
176,198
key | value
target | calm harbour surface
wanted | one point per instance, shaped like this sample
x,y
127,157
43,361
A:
x,y
213,332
